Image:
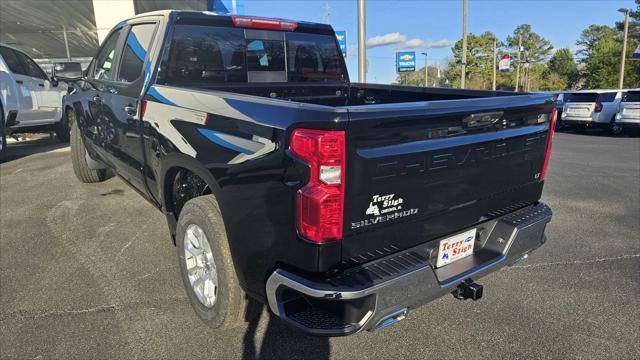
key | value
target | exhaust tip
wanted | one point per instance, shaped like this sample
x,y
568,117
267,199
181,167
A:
x,y
392,319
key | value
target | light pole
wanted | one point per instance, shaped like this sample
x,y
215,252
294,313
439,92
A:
x,y
426,69
624,46
362,47
518,63
464,44
495,55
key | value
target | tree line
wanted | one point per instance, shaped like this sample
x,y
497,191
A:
x,y
595,65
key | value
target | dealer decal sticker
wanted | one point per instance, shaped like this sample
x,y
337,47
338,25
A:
x,y
384,208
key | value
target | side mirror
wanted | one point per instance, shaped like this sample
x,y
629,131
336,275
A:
x,y
66,71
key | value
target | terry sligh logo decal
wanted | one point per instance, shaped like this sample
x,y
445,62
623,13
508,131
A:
x,y
384,208
386,202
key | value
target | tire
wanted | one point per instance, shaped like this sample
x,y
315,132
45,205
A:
x,y
227,309
63,133
614,129
3,136
78,156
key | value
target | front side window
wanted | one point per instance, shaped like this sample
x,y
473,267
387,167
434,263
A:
x,y
32,69
104,60
135,52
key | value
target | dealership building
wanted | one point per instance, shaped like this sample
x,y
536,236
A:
x,y
51,31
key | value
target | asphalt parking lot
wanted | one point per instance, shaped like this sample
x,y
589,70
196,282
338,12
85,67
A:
x,y
89,271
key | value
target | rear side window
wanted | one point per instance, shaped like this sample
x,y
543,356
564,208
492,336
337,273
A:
x,y
210,55
104,60
135,51
11,59
632,96
607,97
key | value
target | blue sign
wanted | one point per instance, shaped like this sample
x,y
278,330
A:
x,y
405,61
342,41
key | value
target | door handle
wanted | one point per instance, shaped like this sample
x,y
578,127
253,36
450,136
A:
x,y
97,99
41,85
130,109
19,82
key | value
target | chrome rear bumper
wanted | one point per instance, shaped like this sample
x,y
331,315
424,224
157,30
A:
x,y
378,293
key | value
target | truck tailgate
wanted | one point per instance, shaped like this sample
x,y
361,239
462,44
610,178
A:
x,y
419,171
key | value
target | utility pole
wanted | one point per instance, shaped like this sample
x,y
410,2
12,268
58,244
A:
x,y
495,55
426,70
463,74
66,42
624,46
362,46
327,16
518,64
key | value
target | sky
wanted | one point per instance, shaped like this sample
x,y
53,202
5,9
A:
x,y
435,25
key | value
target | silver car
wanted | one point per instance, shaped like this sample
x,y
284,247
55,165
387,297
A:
x,y
628,116
592,108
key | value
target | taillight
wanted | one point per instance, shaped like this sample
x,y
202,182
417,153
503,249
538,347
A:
x,y
320,203
263,23
598,107
547,154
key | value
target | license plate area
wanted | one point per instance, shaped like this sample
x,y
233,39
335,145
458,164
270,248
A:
x,y
456,247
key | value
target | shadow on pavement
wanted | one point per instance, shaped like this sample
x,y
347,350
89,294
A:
x,y
279,341
20,149
597,132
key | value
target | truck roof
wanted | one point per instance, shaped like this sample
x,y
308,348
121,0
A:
x,y
192,14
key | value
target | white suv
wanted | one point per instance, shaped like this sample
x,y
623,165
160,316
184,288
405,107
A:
x,y
628,115
592,108
29,100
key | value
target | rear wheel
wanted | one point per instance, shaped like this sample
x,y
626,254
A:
x,y
206,265
614,128
78,156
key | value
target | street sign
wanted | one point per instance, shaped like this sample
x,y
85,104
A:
x,y
342,41
636,53
505,63
405,61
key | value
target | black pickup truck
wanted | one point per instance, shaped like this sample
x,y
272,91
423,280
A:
x,y
340,205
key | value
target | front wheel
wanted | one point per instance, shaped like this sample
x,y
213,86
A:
x,y
206,265
62,130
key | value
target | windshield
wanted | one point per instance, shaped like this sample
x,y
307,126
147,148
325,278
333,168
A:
x,y
208,55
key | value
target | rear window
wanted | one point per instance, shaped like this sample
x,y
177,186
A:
x,y
607,97
209,55
631,96
581,97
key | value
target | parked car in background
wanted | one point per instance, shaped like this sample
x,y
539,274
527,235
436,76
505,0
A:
x,y
30,101
628,116
559,105
592,108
